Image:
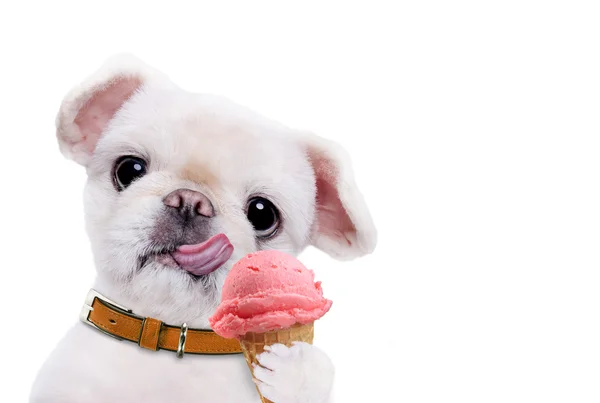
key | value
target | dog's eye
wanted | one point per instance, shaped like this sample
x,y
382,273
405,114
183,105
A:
x,y
128,169
263,216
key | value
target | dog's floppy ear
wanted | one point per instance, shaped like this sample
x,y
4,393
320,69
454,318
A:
x,y
89,107
343,226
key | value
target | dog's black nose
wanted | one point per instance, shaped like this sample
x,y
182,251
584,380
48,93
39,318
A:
x,y
189,203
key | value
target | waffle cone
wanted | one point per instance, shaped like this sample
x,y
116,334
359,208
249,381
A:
x,y
254,343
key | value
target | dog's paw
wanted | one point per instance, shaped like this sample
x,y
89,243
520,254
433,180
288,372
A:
x,y
298,374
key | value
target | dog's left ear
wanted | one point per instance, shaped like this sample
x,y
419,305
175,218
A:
x,y
343,226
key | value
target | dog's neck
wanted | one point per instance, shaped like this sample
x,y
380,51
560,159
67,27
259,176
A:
x,y
173,311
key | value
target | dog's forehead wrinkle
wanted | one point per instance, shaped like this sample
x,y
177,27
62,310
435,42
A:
x,y
200,172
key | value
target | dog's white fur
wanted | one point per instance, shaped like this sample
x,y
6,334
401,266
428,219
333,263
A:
x,y
229,153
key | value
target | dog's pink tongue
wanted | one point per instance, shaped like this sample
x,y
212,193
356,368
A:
x,y
205,257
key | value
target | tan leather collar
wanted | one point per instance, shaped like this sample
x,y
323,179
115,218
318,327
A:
x,y
152,334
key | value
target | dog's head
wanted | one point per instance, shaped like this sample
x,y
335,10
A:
x,y
182,185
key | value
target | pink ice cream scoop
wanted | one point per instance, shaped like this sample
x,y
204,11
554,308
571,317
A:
x,y
267,291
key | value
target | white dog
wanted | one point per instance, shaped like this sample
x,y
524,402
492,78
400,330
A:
x,y
180,186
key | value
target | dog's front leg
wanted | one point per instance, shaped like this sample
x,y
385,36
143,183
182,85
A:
x,y
299,374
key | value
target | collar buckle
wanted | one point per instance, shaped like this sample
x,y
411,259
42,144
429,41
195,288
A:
x,y
88,307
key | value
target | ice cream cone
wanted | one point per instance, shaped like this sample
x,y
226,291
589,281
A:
x,y
269,297
254,343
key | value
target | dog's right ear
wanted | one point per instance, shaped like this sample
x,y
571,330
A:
x,y
87,109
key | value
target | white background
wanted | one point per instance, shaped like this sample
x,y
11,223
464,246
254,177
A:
x,y
474,131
